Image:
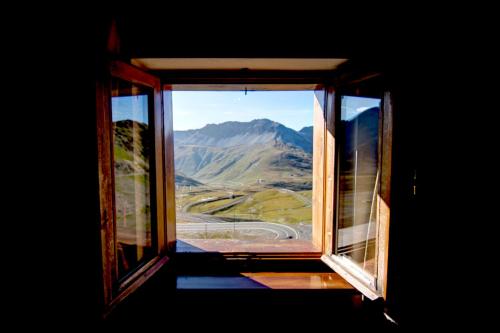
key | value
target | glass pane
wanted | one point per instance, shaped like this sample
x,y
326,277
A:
x,y
358,181
131,105
243,170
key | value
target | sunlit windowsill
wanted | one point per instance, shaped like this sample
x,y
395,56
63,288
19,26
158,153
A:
x,y
266,280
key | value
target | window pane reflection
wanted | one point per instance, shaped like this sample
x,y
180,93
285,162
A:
x,y
132,159
358,181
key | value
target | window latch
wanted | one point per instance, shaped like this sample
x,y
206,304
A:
x,y
415,182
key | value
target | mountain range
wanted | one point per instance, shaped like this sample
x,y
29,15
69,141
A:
x,y
360,134
234,153
260,151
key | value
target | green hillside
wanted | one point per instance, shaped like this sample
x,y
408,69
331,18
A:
x,y
235,154
271,206
244,165
132,180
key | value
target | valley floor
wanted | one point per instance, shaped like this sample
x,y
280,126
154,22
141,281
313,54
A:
x,y
224,216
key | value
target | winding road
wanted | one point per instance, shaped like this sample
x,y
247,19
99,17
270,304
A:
x,y
280,231
205,222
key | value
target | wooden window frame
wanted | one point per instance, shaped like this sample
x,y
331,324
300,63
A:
x,y
327,86
115,290
332,118
267,82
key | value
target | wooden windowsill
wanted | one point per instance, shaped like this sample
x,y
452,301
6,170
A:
x,y
266,280
349,276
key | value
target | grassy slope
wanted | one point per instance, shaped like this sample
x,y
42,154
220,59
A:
x,y
183,199
242,164
307,194
131,176
209,206
272,206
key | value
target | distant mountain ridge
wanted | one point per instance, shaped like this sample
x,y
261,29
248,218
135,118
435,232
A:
x,y
361,137
181,179
261,151
307,133
234,133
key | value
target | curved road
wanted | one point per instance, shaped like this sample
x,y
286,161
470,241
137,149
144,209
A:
x,y
198,218
203,222
281,231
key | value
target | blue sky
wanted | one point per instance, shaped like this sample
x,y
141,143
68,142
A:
x,y
195,109
353,105
130,107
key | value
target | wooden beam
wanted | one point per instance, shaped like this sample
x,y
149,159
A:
x,y
229,77
384,199
318,197
283,64
330,172
132,74
106,197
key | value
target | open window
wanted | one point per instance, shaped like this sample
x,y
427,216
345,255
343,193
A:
x,y
133,181
244,168
358,176
349,198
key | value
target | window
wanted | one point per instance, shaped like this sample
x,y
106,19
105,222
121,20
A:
x,y
329,184
361,189
358,181
243,163
132,179
131,109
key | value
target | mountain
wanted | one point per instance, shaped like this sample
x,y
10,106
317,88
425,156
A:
x,y
233,152
361,134
307,133
183,180
234,133
131,146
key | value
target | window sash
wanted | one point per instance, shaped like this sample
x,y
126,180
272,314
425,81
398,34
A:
x,y
372,286
114,290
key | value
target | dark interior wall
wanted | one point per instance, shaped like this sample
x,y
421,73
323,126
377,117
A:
x,y
403,202
60,201
322,30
